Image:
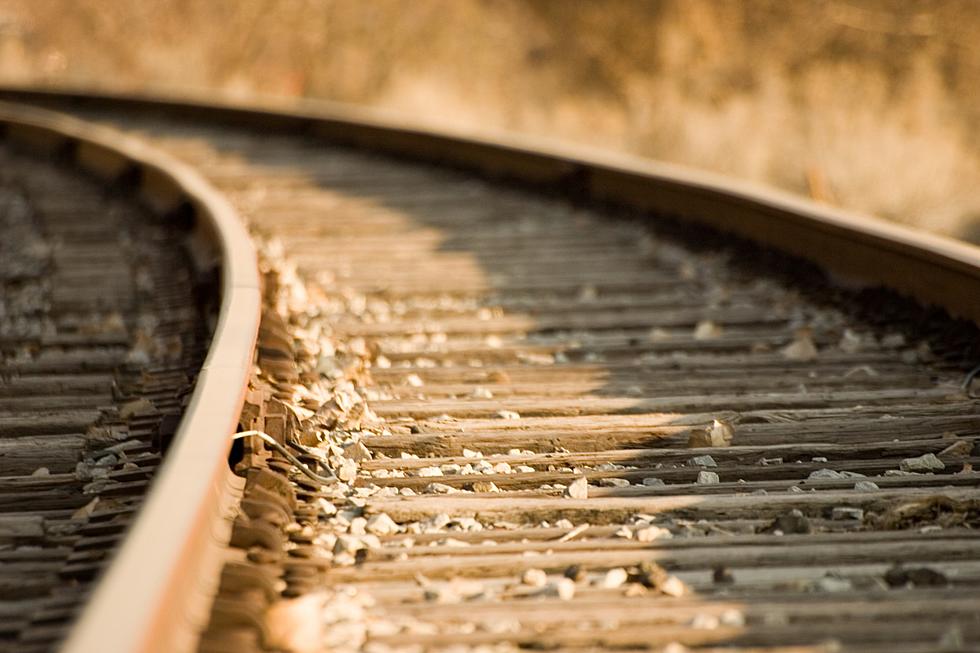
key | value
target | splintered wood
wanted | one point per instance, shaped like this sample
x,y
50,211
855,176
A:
x,y
560,430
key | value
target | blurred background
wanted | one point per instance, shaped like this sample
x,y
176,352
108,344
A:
x,y
867,104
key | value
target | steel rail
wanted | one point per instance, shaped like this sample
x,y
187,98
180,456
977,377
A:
x,y
933,269
857,249
157,591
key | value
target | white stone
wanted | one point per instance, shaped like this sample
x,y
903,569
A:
x,y
357,526
828,474
924,463
707,478
702,461
381,524
440,488
614,578
673,586
578,489
651,533
485,486
357,451
534,578
563,588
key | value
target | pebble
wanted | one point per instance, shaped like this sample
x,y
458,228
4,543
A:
x,y
439,488
850,342
613,482
705,622
613,579
866,486
924,463
702,461
651,533
673,586
578,489
721,433
534,578
381,524
847,513
563,588
624,532
485,486
651,481
483,467
41,471
356,451
791,522
414,380
358,526
707,478
802,348
348,544
828,474
832,584
429,471
347,471
706,330
468,524
733,617
508,414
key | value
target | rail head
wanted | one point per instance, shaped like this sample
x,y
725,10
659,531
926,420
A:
x,y
155,594
860,249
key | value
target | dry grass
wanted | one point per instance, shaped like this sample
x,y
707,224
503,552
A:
x,y
870,105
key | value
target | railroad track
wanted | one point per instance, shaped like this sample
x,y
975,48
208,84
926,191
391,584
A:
x,y
558,423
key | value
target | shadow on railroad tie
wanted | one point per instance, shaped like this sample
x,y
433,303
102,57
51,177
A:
x,y
605,330
659,356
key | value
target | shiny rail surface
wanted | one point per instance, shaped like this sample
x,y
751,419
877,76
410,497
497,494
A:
x,y
575,424
169,550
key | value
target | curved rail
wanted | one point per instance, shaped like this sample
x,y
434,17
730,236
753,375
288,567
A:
x,y
156,592
858,249
932,269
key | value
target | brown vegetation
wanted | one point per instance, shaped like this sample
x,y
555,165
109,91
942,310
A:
x,y
869,105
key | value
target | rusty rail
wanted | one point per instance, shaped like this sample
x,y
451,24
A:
x,y
195,486
157,590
